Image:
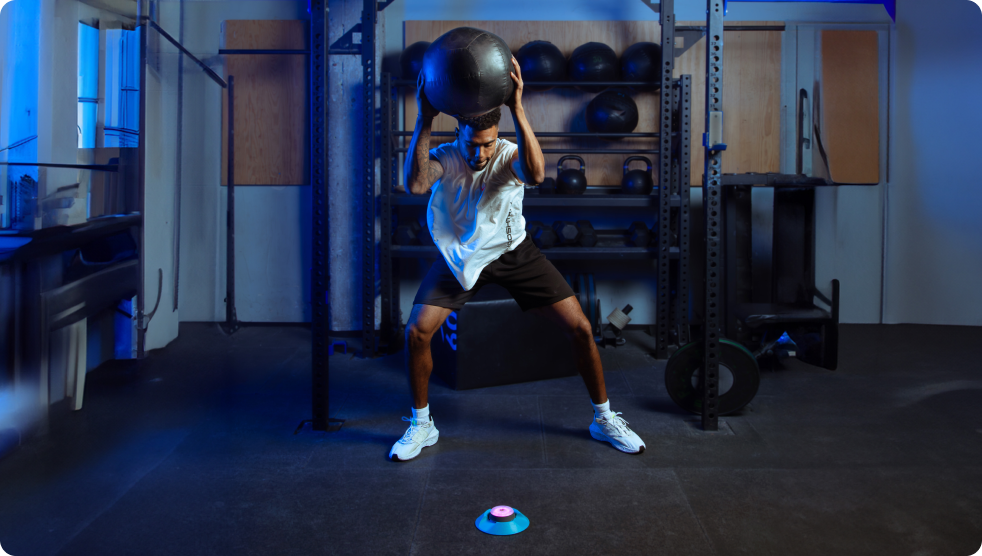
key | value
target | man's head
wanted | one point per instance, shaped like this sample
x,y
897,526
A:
x,y
476,138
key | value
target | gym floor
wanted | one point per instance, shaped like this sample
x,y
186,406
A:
x,y
193,452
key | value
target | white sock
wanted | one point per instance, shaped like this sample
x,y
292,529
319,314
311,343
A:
x,y
601,410
422,415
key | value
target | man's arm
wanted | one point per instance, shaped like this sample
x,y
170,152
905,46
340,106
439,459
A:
x,y
528,163
422,170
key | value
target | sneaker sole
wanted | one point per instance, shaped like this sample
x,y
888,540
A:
x,y
604,438
414,453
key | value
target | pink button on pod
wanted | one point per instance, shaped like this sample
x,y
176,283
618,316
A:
x,y
501,514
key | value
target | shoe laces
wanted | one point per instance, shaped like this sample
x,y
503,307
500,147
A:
x,y
414,428
619,424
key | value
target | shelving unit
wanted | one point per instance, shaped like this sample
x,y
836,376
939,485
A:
x,y
715,296
669,203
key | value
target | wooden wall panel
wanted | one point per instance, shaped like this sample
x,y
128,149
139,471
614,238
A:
x,y
751,100
753,70
850,105
271,135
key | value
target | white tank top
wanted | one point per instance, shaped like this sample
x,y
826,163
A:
x,y
475,217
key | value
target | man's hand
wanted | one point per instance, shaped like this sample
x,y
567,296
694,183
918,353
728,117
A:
x,y
426,109
516,76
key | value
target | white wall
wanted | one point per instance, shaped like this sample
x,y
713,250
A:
x,y
934,234
272,223
57,96
159,219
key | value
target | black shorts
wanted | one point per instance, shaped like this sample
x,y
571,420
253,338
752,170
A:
x,y
524,271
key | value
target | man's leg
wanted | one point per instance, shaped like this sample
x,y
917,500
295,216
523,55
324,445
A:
x,y
568,315
607,426
424,321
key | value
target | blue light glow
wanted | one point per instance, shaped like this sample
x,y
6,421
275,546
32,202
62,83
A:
x,y
890,5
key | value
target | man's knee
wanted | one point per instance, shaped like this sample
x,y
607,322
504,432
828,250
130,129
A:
x,y
416,335
422,326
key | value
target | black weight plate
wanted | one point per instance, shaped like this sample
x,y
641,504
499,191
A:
x,y
739,377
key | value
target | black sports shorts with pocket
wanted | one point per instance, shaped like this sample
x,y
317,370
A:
x,y
524,271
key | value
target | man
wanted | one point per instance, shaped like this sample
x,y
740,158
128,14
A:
x,y
475,219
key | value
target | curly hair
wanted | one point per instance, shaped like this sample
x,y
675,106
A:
x,y
482,122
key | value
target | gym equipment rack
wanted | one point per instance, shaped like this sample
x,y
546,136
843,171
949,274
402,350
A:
x,y
671,203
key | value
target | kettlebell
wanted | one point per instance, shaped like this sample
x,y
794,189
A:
x,y
570,181
637,182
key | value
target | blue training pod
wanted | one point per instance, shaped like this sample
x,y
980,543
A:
x,y
502,520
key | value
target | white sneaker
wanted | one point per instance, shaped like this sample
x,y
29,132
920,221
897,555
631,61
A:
x,y
616,431
418,436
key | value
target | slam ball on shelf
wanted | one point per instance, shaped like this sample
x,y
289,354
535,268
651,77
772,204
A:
x,y
642,62
541,61
612,112
411,59
467,72
593,61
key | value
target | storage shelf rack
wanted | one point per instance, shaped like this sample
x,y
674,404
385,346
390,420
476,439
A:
x,y
669,204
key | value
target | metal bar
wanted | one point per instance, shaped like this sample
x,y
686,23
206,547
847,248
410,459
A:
x,y
179,169
711,202
272,185
685,157
733,222
74,236
773,180
96,167
566,253
231,320
260,51
320,277
673,191
385,256
532,199
579,151
393,160
662,301
733,28
412,82
20,142
141,193
369,338
214,76
538,134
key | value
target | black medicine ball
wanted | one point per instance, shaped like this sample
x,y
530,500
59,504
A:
x,y
642,62
612,112
467,72
411,60
593,61
541,61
